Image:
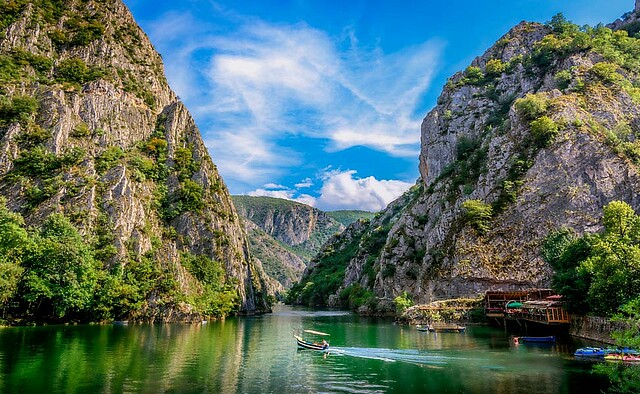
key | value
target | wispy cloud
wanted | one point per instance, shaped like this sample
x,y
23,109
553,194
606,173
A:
x,y
261,82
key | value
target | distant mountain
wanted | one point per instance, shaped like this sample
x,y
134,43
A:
x,y
284,235
348,217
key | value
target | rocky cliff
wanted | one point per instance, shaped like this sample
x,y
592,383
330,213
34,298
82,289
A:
x,y
91,129
539,132
285,234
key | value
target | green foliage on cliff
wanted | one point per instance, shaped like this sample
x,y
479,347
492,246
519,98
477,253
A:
x,y
218,298
53,274
598,273
346,217
478,215
543,130
17,109
325,277
531,106
402,303
470,163
109,158
76,71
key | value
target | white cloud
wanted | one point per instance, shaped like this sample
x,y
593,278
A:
x,y
259,83
341,190
284,194
274,186
307,182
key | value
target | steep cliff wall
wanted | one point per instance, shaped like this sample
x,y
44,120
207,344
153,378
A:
x,y
91,129
284,234
538,133
289,222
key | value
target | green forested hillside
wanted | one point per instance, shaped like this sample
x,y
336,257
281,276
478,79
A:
x,y
112,206
347,217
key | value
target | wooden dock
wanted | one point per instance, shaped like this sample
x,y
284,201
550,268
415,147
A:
x,y
534,305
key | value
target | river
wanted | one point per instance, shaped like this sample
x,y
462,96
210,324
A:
x,y
259,355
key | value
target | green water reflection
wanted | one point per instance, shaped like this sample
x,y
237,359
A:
x,y
258,355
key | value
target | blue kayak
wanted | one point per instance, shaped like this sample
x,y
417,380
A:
x,y
600,352
591,352
549,339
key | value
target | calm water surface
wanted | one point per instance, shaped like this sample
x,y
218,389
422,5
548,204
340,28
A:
x,y
259,355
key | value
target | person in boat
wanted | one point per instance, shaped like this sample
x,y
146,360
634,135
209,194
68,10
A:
x,y
325,344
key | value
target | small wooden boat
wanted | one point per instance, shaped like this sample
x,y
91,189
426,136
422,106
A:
x,y
312,345
422,328
446,327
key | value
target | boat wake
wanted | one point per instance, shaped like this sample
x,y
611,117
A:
x,y
393,355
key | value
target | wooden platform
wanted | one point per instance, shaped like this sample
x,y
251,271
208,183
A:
x,y
535,305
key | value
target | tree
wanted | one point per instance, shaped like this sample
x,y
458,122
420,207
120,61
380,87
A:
x,y
14,242
402,302
61,274
625,378
605,267
620,221
565,252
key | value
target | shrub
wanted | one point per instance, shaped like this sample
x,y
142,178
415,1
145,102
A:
x,y
35,162
191,195
81,130
563,79
109,158
607,72
34,135
72,157
495,67
402,302
17,109
9,69
184,162
76,71
543,130
531,106
466,146
84,31
473,75
477,214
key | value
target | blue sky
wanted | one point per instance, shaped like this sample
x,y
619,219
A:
x,y
321,101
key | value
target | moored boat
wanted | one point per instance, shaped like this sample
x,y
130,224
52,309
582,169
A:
x,y
547,339
600,352
595,352
627,358
445,327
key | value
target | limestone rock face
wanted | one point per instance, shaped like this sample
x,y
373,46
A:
x,y
284,235
289,222
535,129
129,161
